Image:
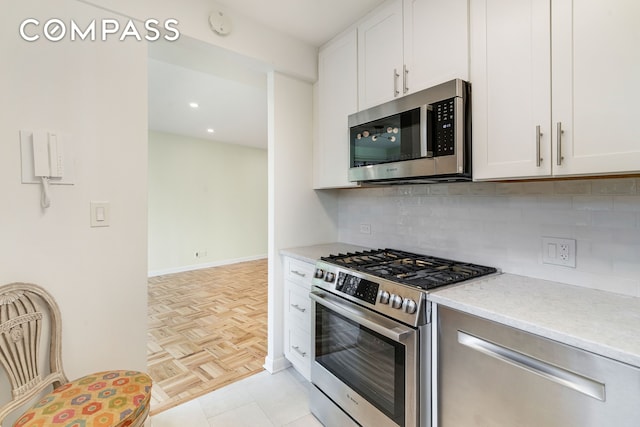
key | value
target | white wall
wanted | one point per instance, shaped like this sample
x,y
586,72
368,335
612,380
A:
x,y
249,38
205,196
96,91
501,224
298,216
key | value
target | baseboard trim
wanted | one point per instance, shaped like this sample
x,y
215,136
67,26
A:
x,y
276,365
220,263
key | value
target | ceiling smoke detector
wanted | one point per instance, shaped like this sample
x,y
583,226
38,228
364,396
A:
x,y
220,23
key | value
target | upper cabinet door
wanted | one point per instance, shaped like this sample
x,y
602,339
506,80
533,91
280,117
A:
x,y
436,42
596,86
337,94
511,89
380,57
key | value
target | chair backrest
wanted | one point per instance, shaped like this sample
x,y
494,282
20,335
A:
x,y
24,311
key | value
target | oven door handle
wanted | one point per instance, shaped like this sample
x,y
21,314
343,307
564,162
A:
x,y
398,333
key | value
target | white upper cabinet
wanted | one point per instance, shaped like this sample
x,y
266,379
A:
x,y
436,42
401,47
554,106
337,93
380,57
408,45
511,88
596,86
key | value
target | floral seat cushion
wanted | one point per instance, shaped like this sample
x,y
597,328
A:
x,y
104,399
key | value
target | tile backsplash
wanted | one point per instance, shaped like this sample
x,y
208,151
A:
x,y
502,225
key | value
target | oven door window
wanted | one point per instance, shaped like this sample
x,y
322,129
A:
x,y
369,363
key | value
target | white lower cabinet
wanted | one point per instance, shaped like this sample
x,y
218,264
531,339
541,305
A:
x,y
297,318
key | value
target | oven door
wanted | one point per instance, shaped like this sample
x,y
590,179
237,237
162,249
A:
x,y
364,362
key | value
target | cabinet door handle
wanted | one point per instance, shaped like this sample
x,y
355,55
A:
x,y
300,352
396,92
559,146
536,366
405,79
297,273
297,307
538,135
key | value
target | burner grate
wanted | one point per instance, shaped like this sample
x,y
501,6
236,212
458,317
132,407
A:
x,y
423,271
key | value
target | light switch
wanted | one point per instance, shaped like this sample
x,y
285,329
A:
x,y
552,250
100,215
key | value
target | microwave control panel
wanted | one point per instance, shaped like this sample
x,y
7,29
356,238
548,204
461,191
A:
x,y
444,132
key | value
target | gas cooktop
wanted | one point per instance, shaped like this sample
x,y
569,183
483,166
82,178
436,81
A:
x,y
422,271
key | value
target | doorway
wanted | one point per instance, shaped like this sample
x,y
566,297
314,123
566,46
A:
x,y
207,235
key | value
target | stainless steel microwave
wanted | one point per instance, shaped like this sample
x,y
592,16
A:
x,y
422,137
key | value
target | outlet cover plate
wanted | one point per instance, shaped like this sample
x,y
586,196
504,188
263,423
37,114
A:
x,y
559,251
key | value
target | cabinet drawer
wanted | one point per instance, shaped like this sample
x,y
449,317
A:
x,y
298,306
299,271
299,349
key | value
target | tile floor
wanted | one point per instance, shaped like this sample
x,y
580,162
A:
x,y
262,400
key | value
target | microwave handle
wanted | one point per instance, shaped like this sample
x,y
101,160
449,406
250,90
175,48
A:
x,y
424,129
398,334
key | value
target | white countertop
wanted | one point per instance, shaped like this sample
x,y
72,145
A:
x,y
604,323
314,253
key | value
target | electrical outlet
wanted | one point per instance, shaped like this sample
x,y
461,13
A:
x,y
200,254
365,228
563,252
559,251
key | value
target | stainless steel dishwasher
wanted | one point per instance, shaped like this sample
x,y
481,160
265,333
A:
x,y
492,375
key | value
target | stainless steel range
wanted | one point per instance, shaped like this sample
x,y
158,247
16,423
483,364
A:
x,y
371,358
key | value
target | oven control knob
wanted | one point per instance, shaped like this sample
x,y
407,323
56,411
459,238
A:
x,y
396,301
409,306
319,273
384,297
330,277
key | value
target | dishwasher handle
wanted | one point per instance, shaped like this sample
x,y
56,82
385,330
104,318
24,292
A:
x,y
536,366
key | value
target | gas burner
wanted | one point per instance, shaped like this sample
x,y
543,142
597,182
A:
x,y
422,271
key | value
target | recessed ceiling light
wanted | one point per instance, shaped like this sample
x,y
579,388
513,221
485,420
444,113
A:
x,y
193,105
210,130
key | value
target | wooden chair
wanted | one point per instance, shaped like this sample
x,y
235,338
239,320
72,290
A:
x,y
106,399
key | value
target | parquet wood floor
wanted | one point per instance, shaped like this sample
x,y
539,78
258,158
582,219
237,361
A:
x,y
207,329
